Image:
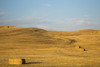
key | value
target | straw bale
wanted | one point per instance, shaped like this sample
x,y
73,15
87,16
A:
x,y
16,61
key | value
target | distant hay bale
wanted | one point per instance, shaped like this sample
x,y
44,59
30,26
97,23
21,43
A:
x,y
82,49
8,26
77,46
16,61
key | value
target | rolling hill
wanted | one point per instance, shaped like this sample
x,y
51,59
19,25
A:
x,y
16,42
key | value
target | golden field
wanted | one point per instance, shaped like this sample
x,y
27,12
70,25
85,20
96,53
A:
x,y
42,48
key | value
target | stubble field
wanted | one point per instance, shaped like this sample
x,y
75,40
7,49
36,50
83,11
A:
x,y
42,48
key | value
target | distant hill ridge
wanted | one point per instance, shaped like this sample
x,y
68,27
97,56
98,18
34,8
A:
x,y
85,30
5,26
30,30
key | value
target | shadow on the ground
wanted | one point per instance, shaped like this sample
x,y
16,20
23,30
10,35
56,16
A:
x,y
33,62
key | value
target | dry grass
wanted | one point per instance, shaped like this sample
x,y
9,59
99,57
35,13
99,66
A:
x,y
43,48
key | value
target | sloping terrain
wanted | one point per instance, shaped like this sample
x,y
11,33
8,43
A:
x,y
27,36
42,48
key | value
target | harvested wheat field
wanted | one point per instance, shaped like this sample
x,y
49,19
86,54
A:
x,y
42,48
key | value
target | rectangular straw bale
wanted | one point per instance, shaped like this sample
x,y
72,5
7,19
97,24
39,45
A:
x,y
16,61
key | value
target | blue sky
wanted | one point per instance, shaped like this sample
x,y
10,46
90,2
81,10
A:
x,y
59,15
